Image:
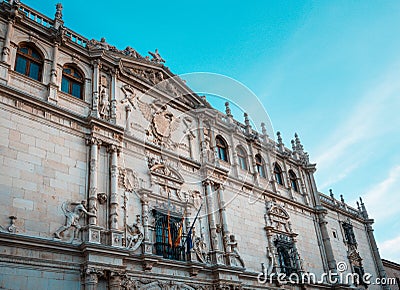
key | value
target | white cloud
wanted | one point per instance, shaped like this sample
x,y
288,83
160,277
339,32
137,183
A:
x,y
390,249
383,194
378,105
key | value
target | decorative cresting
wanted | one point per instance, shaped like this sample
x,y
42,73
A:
x,y
282,254
162,123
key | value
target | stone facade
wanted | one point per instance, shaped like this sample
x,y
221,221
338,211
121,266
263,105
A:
x,y
393,272
110,165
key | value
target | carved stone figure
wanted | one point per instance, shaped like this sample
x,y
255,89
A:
x,y
72,218
233,249
162,122
200,248
136,235
130,95
156,57
129,51
104,103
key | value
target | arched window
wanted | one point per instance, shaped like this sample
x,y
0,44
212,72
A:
x,y
278,174
29,62
260,166
242,158
222,148
72,81
293,180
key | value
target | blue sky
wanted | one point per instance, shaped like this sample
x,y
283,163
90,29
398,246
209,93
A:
x,y
328,70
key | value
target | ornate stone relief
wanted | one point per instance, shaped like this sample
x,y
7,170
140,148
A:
x,y
72,216
11,228
131,283
135,235
162,123
130,95
232,248
127,178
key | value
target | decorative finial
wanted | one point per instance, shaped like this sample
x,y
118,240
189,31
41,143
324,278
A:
x,y
341,198
293,145
246,119
358,206
279,137
263,129
331,193
59,9
299,147
228,111
363,209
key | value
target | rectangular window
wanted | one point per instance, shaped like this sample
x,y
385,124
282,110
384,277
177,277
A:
x,y
168,243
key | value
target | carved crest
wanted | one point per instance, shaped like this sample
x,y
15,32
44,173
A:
x,y
162,122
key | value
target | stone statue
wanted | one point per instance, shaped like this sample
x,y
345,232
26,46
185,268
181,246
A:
x,y
72,218
136,235
234,250
200,248
104,103
156,56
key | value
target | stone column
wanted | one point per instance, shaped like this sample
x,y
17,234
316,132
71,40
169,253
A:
x,y
114,187
211,217
116,233
375,252
91,279
322,222
147,245
52,94
94,144
5,62
113,115
222,210
95,94
115,282
128,110
7,41
321,212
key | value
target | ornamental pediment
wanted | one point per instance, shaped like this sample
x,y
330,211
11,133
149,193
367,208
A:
x,y
160,79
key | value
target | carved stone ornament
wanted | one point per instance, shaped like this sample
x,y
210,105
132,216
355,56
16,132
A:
x,y
128,179
277,218
72,216
162,123
132,283
102,197
135,235
201,250
130,95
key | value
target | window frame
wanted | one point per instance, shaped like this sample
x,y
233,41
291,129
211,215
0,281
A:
x,y
260,164
72,80
29,60
278,173
293,181
222,148
242,158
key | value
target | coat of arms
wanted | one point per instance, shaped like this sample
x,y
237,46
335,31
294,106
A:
x,y
162,122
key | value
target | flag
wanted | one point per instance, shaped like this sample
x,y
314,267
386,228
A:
x,y
189,241
180,230
169,231
169,226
